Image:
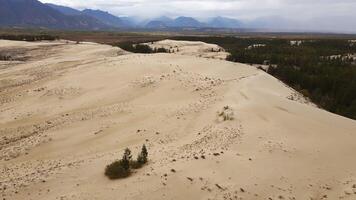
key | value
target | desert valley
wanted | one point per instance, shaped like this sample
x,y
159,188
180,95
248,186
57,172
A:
x,y
214,129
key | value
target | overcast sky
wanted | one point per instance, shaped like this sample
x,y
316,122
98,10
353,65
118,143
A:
x,y
327,14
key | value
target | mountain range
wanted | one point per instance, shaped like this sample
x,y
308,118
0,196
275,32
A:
x,y
33,13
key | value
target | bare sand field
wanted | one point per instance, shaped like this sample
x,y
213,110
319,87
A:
x,y
67,110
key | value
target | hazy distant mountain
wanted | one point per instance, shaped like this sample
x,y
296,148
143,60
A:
x,y
180,22
32,13
106,18
103,16
164,19
64,9
155,24
186,22
129,21
223,22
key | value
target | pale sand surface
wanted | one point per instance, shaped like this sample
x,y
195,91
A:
x,y
198,49
66,115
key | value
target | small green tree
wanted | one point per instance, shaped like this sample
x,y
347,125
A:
x,y
126,158
142,156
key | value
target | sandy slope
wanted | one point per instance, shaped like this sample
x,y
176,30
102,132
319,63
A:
x,y
198,49
66,115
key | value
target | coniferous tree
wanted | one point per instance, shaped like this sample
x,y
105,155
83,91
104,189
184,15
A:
x,y
142,157
126,158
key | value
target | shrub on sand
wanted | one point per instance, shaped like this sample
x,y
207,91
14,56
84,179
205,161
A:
x,y
116,170
122,168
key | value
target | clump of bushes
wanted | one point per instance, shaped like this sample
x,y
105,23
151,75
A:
x,y
116,170
5,57
122,168
160,50
141,48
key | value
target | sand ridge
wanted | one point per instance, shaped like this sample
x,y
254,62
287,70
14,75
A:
x,y
65,116
199,49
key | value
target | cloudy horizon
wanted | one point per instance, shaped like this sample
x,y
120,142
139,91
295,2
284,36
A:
x,y
329,15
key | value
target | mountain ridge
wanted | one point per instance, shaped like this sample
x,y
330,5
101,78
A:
x,y
106,17
33,13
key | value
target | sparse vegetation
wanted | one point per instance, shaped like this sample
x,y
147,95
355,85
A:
x,y
122,168
226,114
160,50
29,38
5,57
141,48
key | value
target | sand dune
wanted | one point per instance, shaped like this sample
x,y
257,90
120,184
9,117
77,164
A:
x,y
69,110
198,49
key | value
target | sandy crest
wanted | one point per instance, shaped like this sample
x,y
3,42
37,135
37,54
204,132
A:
x,y
64,117
198,49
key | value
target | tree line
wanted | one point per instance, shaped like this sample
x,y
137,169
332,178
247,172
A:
x,y
29,38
